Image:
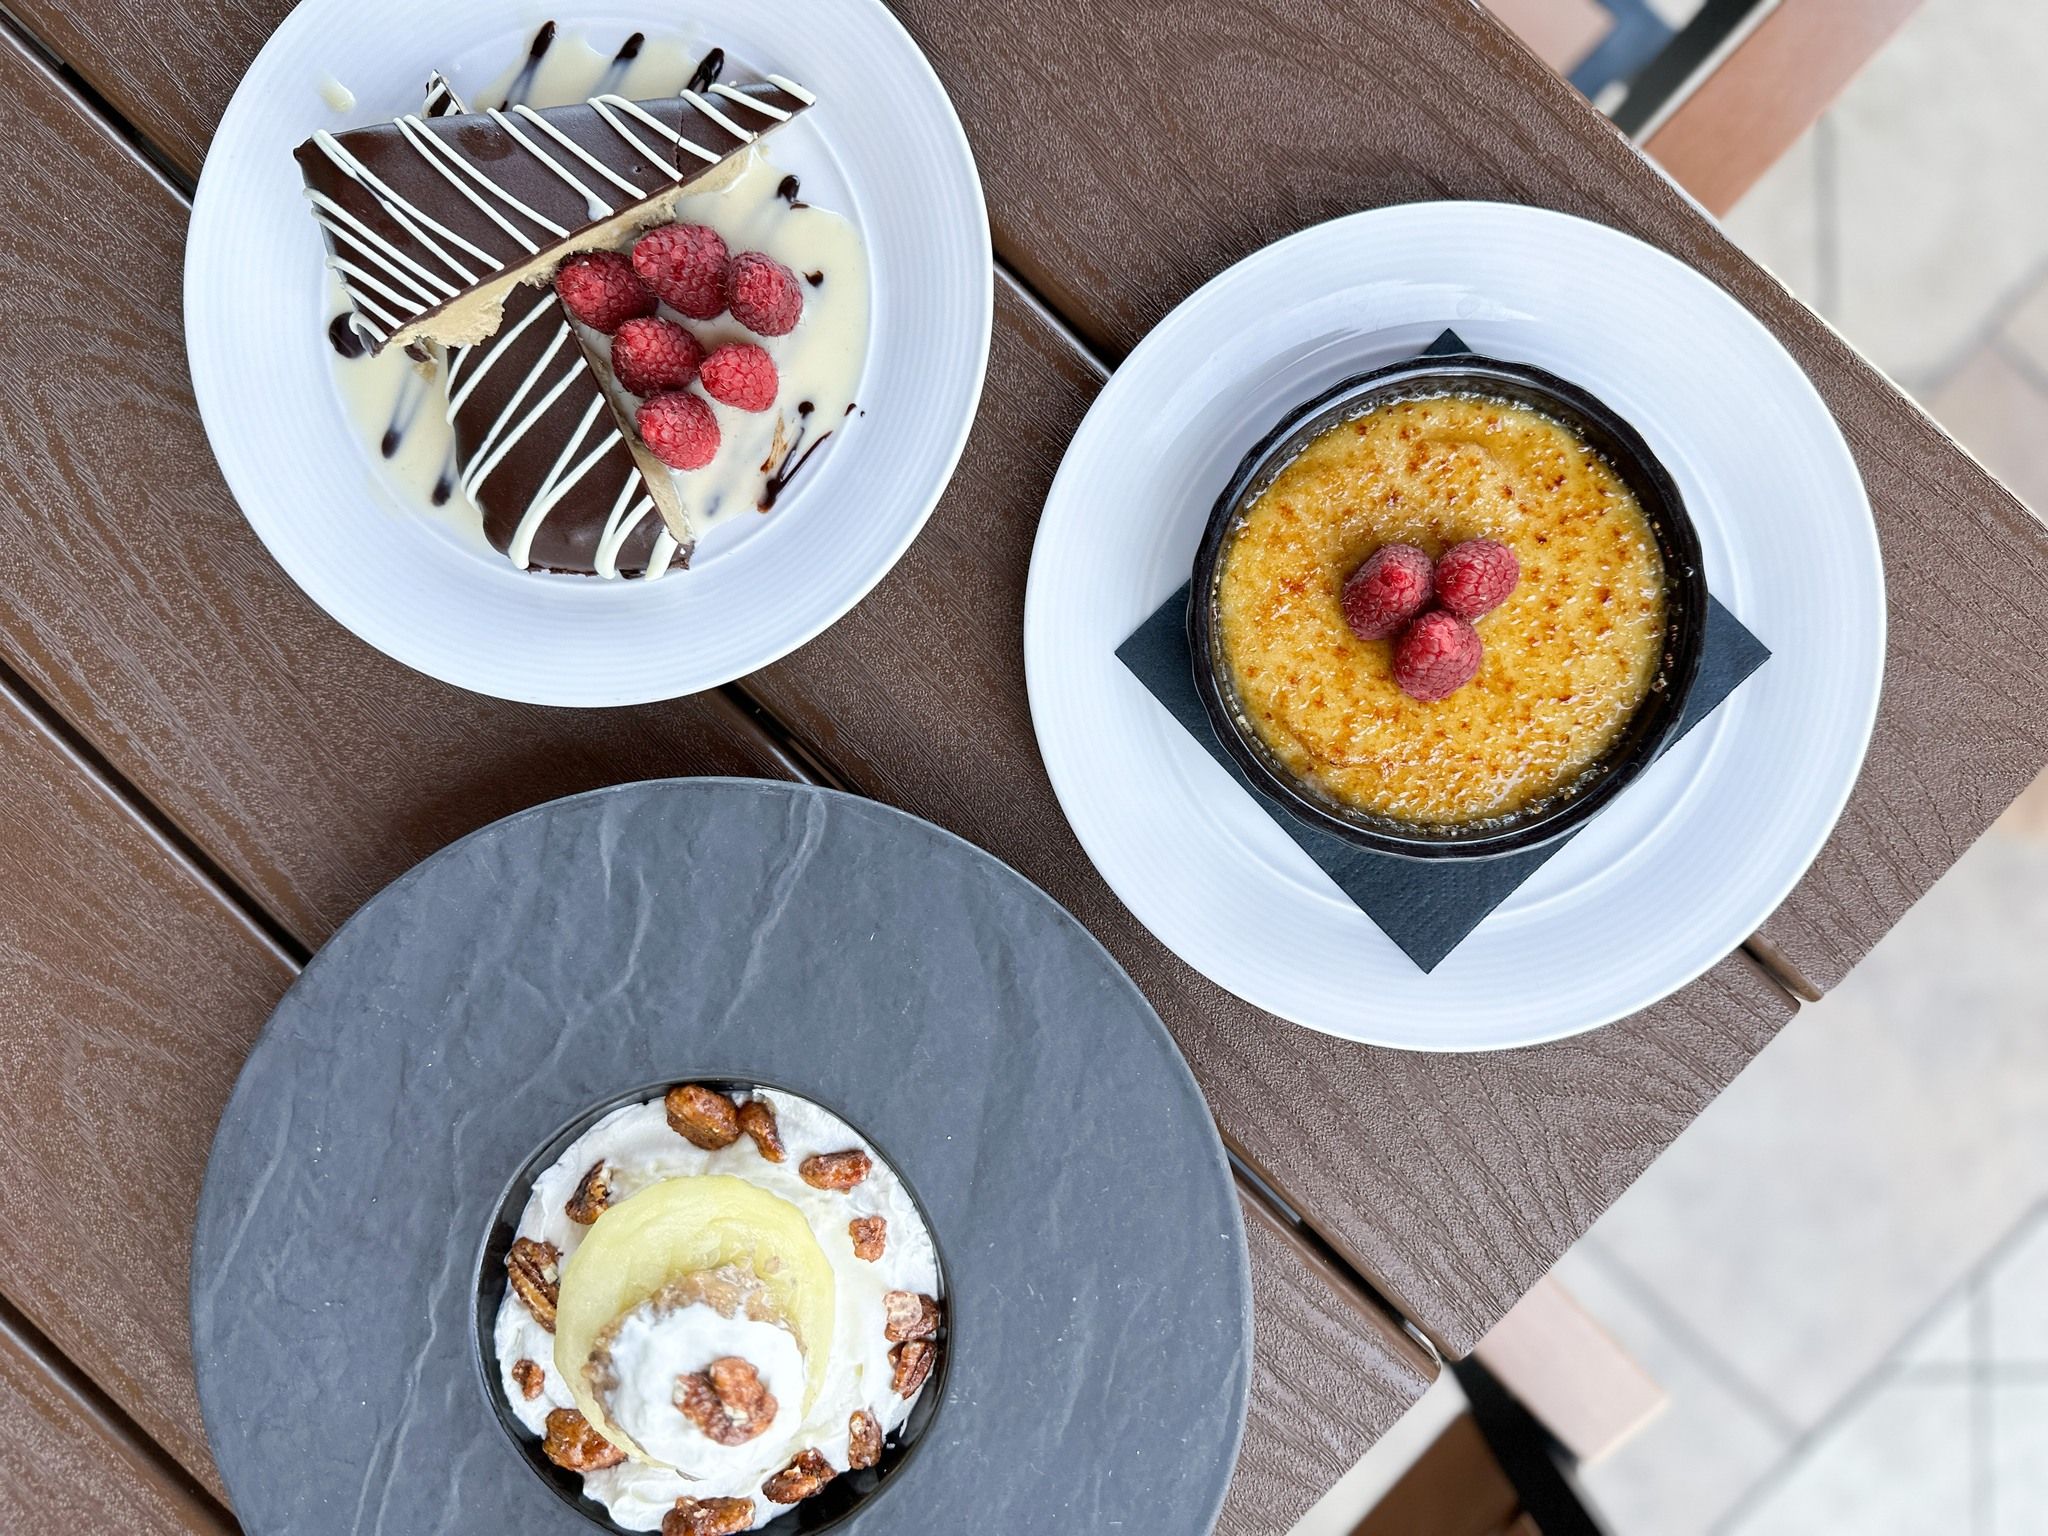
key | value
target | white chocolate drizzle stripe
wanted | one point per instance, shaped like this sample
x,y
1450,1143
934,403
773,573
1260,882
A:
x,y
489,456
767,109
356,280
488,354
744,135
790,87
616,528
438,155
660,163
558,484
359,234
399,209
499,192
579,151
441,100
597,206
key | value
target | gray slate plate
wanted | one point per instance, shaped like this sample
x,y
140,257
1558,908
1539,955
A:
x,y
1100,1299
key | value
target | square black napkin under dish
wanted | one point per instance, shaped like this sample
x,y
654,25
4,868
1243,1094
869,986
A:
x,y
1426,907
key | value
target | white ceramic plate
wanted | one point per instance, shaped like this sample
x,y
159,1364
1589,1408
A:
x,y
885,142
1683,866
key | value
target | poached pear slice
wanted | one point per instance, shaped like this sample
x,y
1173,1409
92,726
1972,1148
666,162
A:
x,y
681,1227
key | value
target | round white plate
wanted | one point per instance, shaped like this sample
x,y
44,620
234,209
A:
x,y
1682,867
257,304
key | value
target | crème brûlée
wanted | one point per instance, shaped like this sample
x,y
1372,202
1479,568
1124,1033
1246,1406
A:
x,y
1569,657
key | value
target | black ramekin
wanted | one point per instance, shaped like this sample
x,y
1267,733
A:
x,y
1656,722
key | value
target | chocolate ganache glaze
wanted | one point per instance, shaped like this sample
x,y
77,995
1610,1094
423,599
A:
x,y
431,221
540,451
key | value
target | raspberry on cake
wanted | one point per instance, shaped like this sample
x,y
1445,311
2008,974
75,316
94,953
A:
x,y
686,265
679,430
652,355
599,288
763,294
741,375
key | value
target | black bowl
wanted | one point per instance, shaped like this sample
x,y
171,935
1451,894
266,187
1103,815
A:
x,y
838,1500
1655,724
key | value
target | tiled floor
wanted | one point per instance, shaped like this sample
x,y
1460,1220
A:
x,y
1840,1272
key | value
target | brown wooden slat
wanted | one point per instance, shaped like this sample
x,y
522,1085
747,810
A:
x,y
1313,1326
131,992
134,597
1349,1377
67,1463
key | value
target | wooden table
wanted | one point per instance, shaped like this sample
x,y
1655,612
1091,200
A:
x,y
205,775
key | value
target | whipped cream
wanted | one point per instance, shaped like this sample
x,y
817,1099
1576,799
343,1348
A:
x,y
655,1345
639,1149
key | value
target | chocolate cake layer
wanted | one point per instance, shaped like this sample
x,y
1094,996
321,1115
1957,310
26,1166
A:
x,y
430,221
539,450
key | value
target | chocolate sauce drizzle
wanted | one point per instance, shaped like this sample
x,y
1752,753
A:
x,y
708,69
343,336
522,83
405,410
792,461
444,486
787,188
815,279
615,72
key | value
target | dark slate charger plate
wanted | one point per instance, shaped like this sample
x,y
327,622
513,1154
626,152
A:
x,y
1099,1293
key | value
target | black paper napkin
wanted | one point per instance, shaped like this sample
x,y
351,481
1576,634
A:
x,y
1427,907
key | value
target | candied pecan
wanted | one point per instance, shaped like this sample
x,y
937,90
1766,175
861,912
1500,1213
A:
x,y
912,1363
863,1440
834,1170
530,1377
908,1315
800,1479
757,1119
870,1236
592,1195
535,1270
708,1517
726,1400
701,1117
572,1443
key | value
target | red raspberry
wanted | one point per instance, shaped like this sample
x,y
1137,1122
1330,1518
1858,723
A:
x,y
600,289
1387,591
685,264
650,356
1436,656
1475,577
679,429
741,375
763,294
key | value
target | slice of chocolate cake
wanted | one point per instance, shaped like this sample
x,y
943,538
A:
x,y
431,221
540,451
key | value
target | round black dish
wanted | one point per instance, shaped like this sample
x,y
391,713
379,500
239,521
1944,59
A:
x,y
1656,723
823,1511
720,929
